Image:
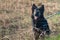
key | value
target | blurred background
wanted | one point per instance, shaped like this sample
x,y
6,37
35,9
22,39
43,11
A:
x,y
16,22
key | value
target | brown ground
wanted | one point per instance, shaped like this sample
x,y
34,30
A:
x,y
15,18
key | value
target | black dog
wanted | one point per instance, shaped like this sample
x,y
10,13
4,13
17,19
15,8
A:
x,y
40,22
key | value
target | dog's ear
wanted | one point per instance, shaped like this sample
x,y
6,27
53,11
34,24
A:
x,y
33,8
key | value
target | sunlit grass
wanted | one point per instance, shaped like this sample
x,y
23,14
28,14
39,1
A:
x,y
53,37
55,18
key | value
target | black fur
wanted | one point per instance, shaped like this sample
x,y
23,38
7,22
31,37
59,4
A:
x,y
41,22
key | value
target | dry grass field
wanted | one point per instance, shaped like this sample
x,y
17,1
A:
x,y
16,22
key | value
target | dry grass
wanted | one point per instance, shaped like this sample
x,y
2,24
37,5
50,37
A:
x,y
15,20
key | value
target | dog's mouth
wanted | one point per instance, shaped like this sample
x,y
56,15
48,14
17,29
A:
x,y
35,17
